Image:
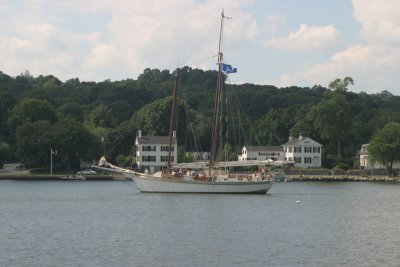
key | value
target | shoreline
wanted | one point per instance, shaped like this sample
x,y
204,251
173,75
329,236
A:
x,y
289,178
341,178
58,177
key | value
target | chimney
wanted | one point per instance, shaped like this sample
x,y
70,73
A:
x,y
300,136
140,133
290,137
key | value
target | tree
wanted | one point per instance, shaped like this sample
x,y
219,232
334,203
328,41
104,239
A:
x,y
73,143
4,152
7,102
101,117
332,118
385,146
33,143
31,110
72,110
340,85
273,128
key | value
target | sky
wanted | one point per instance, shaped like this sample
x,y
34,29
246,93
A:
x,y
275,42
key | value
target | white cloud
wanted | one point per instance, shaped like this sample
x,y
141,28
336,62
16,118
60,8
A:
x,y
138,34
306,37
374,64
373,69
379,19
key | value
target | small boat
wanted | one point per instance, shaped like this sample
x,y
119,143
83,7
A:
x,y
201,177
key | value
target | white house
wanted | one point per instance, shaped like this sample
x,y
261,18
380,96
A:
x,y
152,152
367,163
304,151
261,153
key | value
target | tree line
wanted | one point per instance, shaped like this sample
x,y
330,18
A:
x,y
83,120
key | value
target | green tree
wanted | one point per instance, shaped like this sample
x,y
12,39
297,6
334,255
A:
x,y
273,128
31,110
101,117
385,146
4,152
340,85
33,143
332,118
7,102
72,110
73,143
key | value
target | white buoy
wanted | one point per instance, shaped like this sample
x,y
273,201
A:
x,y
298,201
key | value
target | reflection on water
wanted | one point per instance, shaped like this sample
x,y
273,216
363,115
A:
x,y
76,223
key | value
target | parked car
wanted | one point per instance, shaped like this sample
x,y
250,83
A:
x,y
19,166
87,171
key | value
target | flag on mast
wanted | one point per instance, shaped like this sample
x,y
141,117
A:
x,y
226,68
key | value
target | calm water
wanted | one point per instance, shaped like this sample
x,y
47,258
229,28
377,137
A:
x,y
75,223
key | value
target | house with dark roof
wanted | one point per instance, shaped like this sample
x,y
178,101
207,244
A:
x,y
304,151
262,153
152,152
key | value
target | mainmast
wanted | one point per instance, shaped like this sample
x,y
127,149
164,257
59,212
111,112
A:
x,y
172,125
218,90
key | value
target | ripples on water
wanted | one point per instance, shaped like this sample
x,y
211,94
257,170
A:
x,y
74,223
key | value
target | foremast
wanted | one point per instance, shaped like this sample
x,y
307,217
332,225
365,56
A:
x,y
172,125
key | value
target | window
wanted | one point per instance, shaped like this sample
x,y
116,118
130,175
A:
x,y
148,158
165,158
316,149
307,149
297,159
307,160
290,149
149,148
166,148
297,149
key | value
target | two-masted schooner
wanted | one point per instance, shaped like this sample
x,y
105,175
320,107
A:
x,y
201,177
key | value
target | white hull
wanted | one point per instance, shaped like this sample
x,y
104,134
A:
x,y
149,184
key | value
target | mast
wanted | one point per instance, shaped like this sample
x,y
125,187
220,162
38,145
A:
x,y
172,125
217,100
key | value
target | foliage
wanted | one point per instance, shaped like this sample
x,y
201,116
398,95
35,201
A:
x,y
385,146
100,117
31,110
126,161
332,117
341,85
33,143
37,113
4,152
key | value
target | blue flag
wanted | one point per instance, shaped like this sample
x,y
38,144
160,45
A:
x,y
228,68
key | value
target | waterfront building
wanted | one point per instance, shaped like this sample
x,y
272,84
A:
x,y
366,163
304,151
274,153
152,152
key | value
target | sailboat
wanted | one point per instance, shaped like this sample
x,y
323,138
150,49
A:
x,y
201,177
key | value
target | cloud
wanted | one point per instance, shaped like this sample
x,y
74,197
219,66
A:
x,y
373,62
379,20
159,34
373,69
306,37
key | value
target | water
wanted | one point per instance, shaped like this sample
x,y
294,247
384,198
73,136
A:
x,y
75,223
